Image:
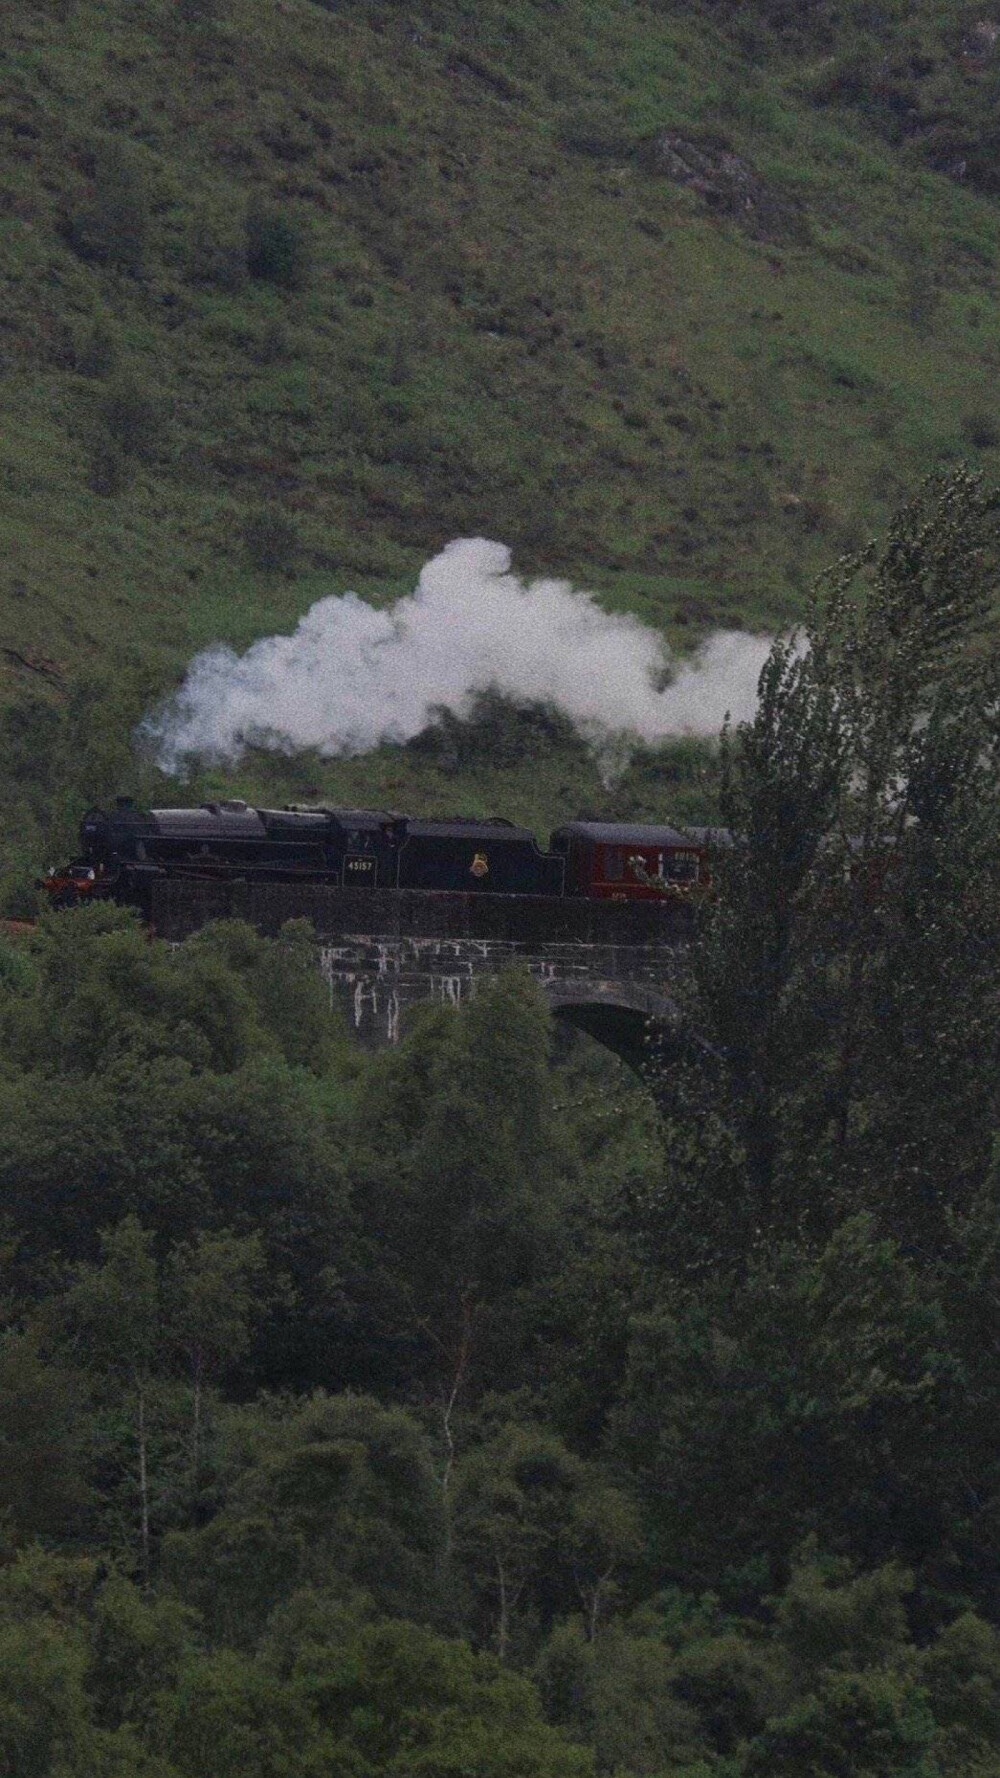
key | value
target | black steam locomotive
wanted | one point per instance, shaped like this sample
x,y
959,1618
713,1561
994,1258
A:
x,y
124,850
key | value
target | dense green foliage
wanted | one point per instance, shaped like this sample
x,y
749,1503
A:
x,y
472,1407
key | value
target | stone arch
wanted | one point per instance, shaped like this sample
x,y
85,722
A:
x,y
617,1014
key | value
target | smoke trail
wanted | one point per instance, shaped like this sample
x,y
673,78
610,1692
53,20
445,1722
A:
x,y
351,676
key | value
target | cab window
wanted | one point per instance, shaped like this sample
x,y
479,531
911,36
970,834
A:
x,y
614,865
680,867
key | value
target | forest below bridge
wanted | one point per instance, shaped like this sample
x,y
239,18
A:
x,y
469,1407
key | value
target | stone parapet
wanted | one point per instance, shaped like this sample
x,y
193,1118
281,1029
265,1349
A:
x,y
605,967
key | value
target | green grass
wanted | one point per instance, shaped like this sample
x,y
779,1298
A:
x,y
504,326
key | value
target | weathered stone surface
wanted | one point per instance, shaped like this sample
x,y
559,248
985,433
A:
x,y
376,978
179,908
729,185
603,966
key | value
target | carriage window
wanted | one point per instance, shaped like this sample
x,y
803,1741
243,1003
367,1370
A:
x,y
614,866
680,867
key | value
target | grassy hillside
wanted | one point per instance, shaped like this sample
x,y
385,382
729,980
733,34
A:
x,y
292,294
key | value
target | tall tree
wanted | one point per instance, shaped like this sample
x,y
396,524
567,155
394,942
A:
x,y
850,957
460,1172
214,1291
111,1316
538,1531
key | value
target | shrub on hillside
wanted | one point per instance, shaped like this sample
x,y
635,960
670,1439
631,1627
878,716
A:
x,y
921,296
131,420
589,129
982,430
271,541
273,344
112,228
98,352
276,248
110,471
497,731
212,259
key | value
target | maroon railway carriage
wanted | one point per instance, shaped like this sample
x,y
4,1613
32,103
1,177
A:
x,y
612,861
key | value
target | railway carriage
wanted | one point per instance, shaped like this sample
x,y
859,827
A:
x,y
613,861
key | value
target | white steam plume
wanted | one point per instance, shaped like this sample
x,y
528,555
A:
x,y
351,676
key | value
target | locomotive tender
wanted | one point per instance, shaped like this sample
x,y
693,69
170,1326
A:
x,y
125,850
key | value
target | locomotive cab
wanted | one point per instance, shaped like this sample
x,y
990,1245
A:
x,y
364,845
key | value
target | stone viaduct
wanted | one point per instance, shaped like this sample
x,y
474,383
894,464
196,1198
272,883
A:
x,y
604,967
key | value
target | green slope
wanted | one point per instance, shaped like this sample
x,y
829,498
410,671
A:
x,y
292,294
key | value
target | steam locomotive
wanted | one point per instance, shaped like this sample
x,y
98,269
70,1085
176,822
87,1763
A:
x,y
124,850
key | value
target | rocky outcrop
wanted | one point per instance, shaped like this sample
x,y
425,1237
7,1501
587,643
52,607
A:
x,y
729,185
